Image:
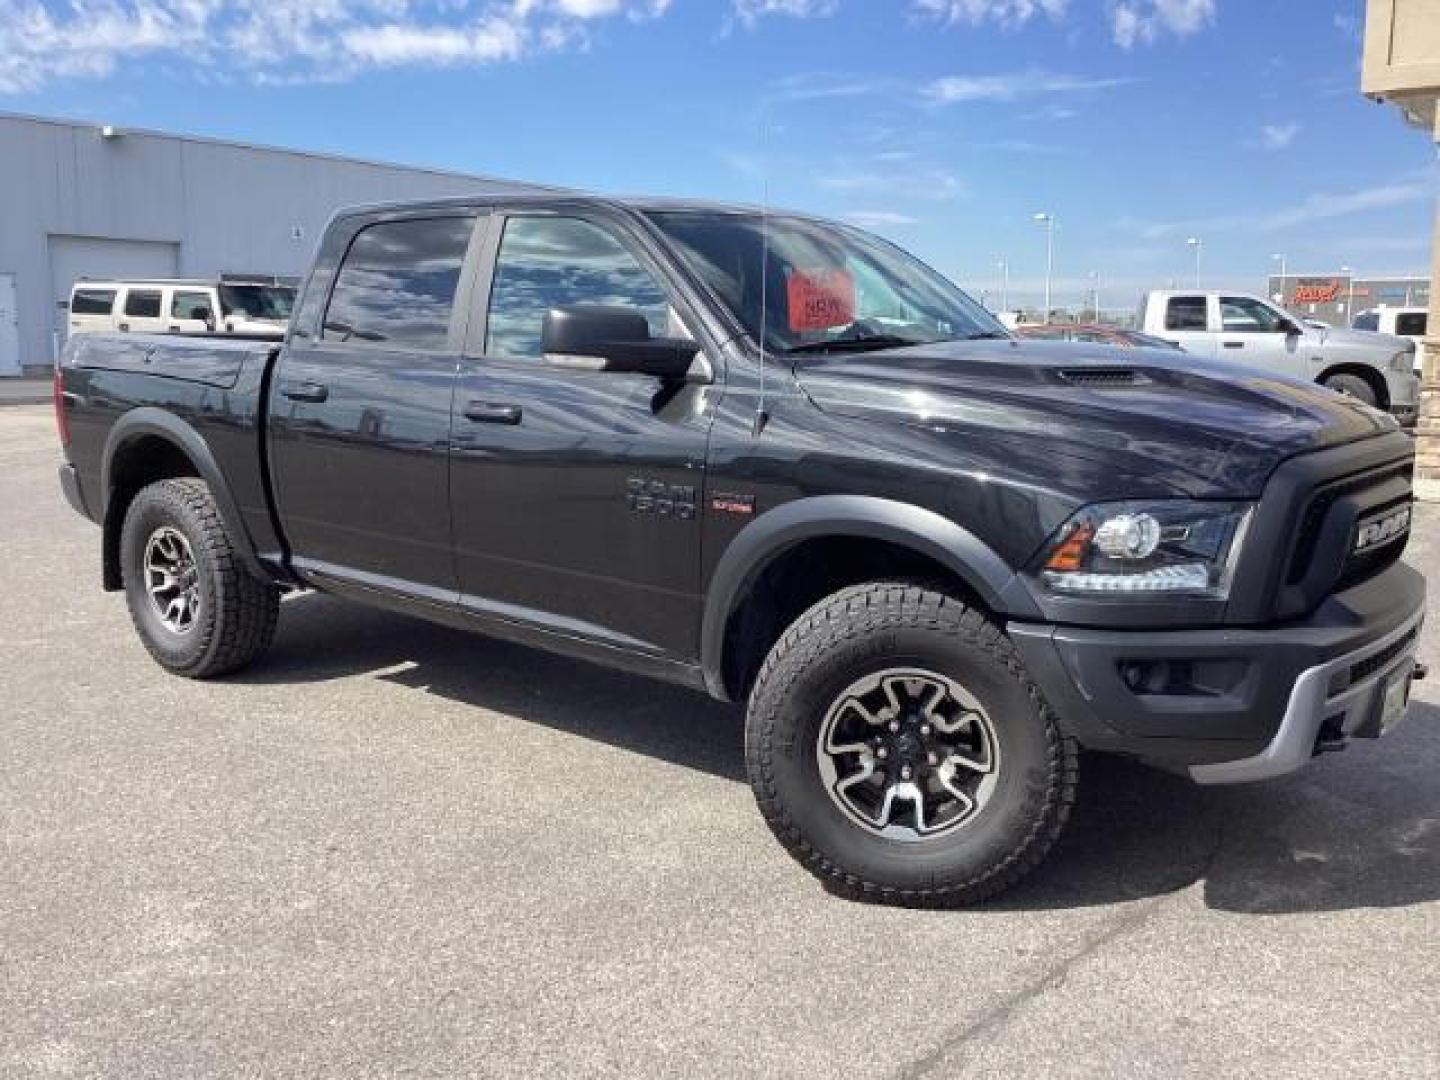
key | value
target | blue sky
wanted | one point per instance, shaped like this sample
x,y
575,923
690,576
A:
x,y
944,124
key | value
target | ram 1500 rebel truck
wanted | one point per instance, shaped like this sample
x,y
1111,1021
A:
x,y
1238,328
778,460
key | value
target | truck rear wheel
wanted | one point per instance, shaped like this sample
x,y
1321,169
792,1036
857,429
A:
x,y
198,610
900,753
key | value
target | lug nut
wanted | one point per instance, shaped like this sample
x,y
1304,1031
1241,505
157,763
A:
x,y
905,773
894,725
933,758
924,729
882,753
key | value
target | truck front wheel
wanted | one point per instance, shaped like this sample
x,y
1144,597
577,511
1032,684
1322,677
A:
x,y
899,752
198,610
1352,386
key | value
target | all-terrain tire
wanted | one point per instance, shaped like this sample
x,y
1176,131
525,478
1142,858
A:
x,y
887,626
234,619
1352,386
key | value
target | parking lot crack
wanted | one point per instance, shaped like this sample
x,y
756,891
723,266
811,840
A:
x,y
1000,1013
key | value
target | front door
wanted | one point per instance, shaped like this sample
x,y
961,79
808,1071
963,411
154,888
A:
x,y
576,493
360,410
1253,333
192,311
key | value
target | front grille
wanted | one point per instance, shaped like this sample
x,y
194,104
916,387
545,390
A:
x,y
1312,521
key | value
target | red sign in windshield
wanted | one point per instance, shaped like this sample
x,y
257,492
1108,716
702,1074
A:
x,y
820,299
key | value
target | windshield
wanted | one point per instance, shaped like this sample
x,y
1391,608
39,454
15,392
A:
x,y
825,285
257,301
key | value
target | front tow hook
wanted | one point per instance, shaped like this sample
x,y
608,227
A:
x,y
1419,671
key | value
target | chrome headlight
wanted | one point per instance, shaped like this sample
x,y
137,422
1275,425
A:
x,y
1147,549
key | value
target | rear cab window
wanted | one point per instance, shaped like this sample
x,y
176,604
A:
x,y
92,302
1185,313
1369,320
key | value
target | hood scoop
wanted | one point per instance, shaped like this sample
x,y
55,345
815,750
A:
x,y
1095,376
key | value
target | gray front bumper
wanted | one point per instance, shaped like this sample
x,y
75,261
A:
x,y
1312,702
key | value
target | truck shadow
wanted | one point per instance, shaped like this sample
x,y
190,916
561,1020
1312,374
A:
x,y
1356,829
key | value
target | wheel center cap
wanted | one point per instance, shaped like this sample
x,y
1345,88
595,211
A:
x,y
908,748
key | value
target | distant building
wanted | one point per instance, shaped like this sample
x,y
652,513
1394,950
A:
x,y
1334,298
81,200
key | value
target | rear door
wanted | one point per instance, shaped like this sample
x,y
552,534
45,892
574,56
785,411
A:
x,y
576,493
359,420
141,309
1186,321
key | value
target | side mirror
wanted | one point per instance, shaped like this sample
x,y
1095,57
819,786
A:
x,y
1289,327
603,338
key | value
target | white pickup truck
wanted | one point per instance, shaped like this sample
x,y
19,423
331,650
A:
x,y
1240,328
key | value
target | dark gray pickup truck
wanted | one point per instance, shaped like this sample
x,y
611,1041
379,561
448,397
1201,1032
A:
x,y
782,462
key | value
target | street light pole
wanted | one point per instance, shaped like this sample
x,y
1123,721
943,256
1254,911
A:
x,y
1196,243
1047,219
1094,277
1350,295
1004,285
1281,257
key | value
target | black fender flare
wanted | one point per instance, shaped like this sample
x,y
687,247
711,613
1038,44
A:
x,y
862,516
150,421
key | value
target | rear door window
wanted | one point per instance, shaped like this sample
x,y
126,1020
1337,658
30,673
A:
x,y
396,285
1185,313
1369,320
92,302
143,303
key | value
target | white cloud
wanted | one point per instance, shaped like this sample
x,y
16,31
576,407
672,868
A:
x,y
900,178
1278,136
1321,206
1014,85
1140,22
749,12
879,219
283,41
1003,12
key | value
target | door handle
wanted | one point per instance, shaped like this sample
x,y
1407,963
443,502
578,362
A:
x,y
174,329
1234,344
305,391
492,412
125,327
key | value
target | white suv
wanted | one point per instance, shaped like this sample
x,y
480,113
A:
x,y
251,306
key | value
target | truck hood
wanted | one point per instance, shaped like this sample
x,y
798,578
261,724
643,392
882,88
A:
x,y
1122,418
1382,345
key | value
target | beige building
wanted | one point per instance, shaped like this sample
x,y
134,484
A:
x,y
1402,67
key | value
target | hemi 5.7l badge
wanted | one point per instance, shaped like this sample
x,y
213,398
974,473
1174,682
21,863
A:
x,y
1382,528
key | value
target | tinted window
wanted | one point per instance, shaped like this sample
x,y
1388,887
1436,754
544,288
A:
x,y
1185,313
143,303
92,302
1410,324
190,305
548,262
1241,314
1369,320
397,283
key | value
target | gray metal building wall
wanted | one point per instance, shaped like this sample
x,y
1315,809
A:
x,y
67,194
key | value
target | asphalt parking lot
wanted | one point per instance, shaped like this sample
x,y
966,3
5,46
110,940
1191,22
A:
x,y
393,849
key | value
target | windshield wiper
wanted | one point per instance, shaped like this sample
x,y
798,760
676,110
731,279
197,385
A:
x,y
982,335
858,343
